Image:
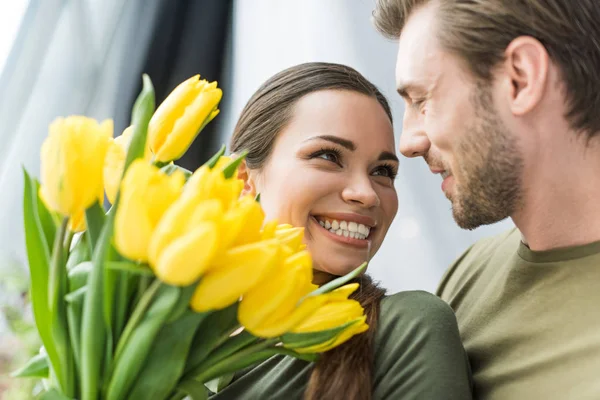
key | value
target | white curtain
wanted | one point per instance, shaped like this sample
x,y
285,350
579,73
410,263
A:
x,y
68,58
270,35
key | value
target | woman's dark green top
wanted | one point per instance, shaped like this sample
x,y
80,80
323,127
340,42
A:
x,y
418,355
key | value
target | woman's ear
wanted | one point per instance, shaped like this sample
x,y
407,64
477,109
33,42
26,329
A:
x,y
247,177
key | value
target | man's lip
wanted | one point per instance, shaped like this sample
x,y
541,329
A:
x,y
351,217
436,170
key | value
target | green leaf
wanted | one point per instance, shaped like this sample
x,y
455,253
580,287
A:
x,y
183,304
169,169
78,275
80,252
140,117
194,389
131,267
214,159
36,367
38,255
302,340
231,346
164,365
131,359
76,295
214,331
230,168
237,361
308,357
53,394
220,383
46,220
336,283
257,198
94,218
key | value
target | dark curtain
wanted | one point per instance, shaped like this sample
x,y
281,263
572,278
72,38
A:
x,y
189,37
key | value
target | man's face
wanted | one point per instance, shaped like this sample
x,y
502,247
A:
x,y
451,120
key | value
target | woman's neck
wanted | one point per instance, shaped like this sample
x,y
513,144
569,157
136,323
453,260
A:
x,y
322,277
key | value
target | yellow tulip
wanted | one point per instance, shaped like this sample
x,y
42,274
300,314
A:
x,y
180,118
146,193
291,237
243,221
186,240
206,183
77,222
271,308
336,312
72,159
236,272
115,162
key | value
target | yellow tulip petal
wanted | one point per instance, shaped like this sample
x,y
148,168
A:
x,y
358,327
146,194
282,325
184,261
331,315
240,269
180,217
291,237
77,222
165,116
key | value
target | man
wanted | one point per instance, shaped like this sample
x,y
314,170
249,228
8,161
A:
x,y
503,101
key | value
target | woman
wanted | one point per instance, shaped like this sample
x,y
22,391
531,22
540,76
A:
x,y
321,154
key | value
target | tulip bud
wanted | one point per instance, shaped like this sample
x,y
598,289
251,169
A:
x,y
180,118
72,160
146,193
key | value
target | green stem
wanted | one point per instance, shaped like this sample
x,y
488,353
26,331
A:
x,y
57,290
136,317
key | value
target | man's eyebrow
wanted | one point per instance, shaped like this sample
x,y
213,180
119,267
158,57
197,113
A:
x,y
404,88
335,139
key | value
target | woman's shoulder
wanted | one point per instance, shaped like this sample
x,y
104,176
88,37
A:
x,y
409,316
418,351
416,305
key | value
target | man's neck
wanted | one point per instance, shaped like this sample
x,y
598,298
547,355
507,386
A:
x,y
561,204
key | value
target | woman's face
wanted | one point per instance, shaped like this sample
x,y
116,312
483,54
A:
x,y
332,171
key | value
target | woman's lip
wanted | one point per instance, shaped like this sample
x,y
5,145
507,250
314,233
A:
x,y
361,243
350,217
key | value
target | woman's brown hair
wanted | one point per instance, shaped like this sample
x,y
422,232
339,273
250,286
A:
x,y
345,372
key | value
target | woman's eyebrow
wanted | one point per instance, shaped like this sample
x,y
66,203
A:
x,y
388,156
335,139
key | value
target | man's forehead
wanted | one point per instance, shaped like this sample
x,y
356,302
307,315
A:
x,y
419,53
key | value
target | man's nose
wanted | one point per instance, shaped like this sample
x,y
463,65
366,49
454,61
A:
x,y
413,140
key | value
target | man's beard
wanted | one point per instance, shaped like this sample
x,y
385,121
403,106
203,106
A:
x,y
490,168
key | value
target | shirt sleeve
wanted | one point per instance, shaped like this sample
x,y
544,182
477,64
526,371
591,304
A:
x,y
418,351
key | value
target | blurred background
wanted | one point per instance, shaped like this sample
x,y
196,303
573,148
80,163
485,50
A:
x,y
62,57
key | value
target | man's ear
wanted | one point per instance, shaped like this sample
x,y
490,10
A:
x,y
526,65
245,175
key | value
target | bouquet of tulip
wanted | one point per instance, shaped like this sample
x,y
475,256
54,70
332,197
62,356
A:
x,y
181,282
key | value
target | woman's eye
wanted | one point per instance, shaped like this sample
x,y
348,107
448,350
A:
x,y
329,156
386,171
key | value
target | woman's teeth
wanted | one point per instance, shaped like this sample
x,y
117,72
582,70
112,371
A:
x,y
346,229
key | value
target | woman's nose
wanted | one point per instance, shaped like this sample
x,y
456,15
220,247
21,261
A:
x,y
361,193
